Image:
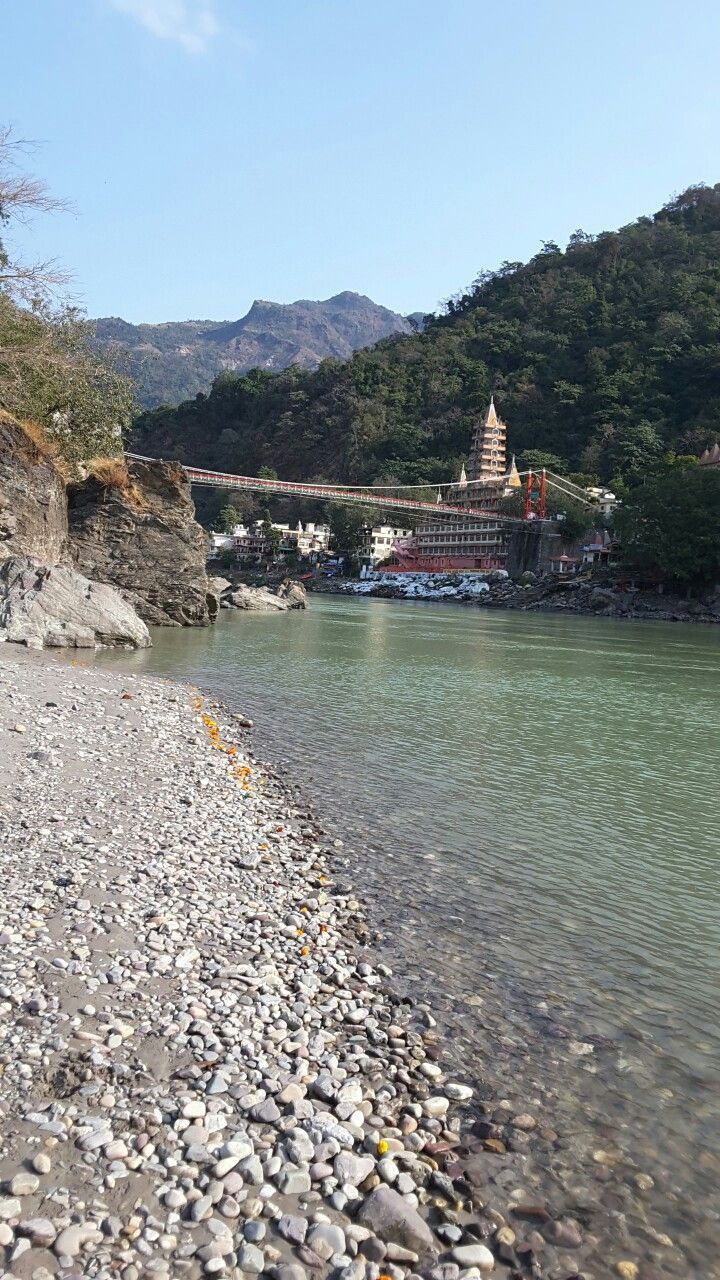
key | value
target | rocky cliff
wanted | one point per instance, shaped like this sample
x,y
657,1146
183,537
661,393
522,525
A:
x,y
134,528
172,362
33,512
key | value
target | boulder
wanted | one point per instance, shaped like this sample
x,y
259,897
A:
x,y
217,589
50,606
133,527
293,593
391,1218
602,598
33,514
257,599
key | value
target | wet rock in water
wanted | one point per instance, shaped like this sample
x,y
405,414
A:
x,y
474,1255
564,1234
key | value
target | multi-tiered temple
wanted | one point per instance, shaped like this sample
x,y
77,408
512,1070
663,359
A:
x,y
448,543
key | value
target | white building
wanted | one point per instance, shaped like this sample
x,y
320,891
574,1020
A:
x,y
379,541
308,540
603,498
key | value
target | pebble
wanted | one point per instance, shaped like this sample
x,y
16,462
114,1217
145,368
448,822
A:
x,y
40,1231
24,1184
196,1034
474,1255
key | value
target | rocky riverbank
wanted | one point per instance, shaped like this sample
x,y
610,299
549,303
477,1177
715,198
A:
x,y
550,594
205,1070
201,1075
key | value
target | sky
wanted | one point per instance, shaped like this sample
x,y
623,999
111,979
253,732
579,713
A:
x,y
218,151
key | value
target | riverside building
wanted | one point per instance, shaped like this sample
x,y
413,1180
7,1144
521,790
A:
x,y
473,543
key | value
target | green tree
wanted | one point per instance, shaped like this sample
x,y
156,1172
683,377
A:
x,y
267,473
577,519
229,517
270,535
602,358
670,527
348,527
537,459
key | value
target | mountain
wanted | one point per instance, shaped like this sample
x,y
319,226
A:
x,y
173,361
605,355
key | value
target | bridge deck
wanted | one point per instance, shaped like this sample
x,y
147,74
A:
x,y
333,493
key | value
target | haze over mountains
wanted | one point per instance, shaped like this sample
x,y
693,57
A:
x,y
174,361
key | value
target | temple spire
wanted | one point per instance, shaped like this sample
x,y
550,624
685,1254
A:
x,y
487,453
462,482
513,476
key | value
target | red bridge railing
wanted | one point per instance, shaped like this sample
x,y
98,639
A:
x,y
324,492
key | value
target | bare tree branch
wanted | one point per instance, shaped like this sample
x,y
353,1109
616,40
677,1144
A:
x,y
21,198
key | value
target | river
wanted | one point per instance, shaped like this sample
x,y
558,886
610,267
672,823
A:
x,y
530,803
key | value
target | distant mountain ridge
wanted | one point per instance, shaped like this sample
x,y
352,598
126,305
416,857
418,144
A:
x,y
173,361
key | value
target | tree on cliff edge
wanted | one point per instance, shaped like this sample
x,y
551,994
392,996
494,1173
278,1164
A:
x,y
48,369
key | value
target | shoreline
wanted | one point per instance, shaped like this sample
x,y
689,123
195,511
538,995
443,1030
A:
x,y
353,1063
561,598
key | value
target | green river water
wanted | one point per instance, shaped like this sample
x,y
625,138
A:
x,y
530,804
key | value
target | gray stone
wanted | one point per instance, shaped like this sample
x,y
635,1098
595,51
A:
x,y
265,1112
250,1258
392,1218
290,1272
293,1181
40,1231
141,536
348,1167
292,1228
24,1184
474,1255
59,608
325,1239
71,1240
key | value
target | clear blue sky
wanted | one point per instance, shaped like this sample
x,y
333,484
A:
x,y
221,150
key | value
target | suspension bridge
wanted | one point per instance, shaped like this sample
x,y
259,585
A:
x,y
404,499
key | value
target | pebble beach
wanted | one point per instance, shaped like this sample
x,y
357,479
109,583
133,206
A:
x,y
204,1069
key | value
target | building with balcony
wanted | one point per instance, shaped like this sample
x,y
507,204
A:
x,y
481,542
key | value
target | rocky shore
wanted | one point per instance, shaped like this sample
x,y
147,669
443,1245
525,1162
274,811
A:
x,y
203,1068
200,1074
551,594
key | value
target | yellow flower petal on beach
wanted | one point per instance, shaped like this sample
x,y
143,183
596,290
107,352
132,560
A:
x,y
382,1149
304,951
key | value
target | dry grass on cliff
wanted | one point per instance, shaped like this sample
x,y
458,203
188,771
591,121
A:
x,y
112,473
40,447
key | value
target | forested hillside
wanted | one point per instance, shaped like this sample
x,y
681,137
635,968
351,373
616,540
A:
x,y
606,354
